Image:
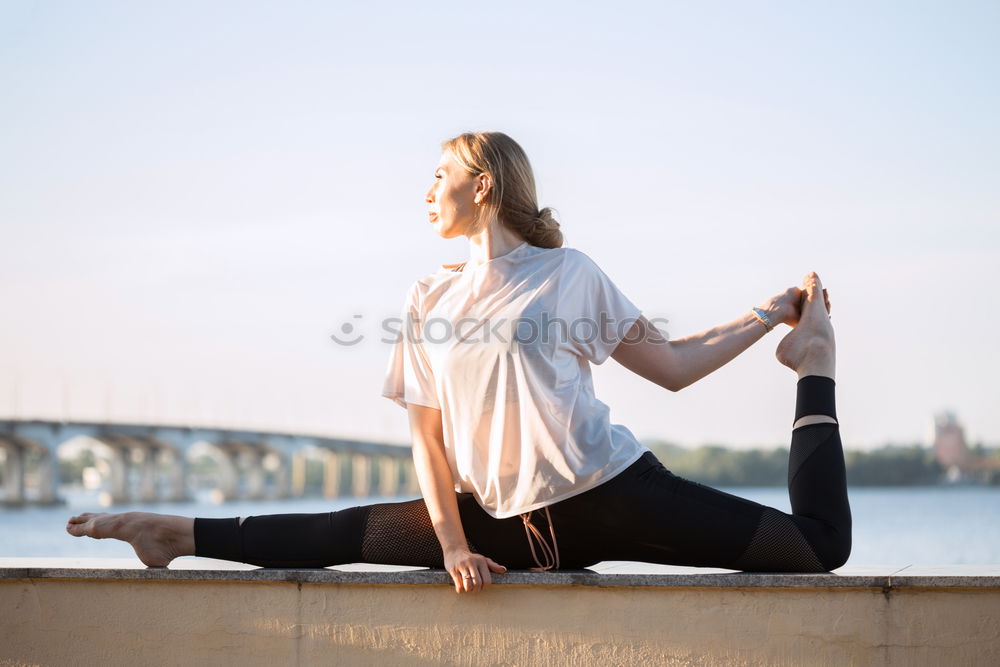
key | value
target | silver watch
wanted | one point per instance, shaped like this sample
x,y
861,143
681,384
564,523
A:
x,y
764,319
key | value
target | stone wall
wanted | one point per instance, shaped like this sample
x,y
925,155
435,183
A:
x,y
114,616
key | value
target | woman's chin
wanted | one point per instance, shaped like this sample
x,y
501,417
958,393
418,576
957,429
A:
x,y
446,232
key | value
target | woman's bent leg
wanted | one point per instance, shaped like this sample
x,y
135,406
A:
x,y
817,534
817,480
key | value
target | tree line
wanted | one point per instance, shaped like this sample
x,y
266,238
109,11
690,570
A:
x,y
715,465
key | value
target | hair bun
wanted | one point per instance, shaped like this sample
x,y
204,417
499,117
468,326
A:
x,y
545,232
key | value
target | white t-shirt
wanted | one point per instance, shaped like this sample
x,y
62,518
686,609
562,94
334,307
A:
x,y
504,349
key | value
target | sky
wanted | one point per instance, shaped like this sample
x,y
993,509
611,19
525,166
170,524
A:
x,y
195,196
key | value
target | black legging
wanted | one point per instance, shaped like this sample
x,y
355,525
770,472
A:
x,y
645,513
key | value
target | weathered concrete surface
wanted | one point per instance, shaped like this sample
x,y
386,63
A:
x,y
61,616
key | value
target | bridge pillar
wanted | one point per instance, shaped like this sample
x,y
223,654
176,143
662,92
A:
x,y
170,447
360,476
13,476
298,482
178,477
282,478
228,476
254,476
119,475
388,477
147,476
48,479
412,484
331,475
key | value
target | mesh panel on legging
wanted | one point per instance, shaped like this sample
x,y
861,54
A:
x,y
401,534
778,545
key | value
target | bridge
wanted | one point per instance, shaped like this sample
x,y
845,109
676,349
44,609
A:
x,y
150,463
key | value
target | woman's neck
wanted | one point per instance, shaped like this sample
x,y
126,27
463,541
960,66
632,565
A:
x,y
493,241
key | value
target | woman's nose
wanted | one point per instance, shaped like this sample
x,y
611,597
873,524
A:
x,y
429,197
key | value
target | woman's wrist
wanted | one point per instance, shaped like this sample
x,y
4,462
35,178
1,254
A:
x,y
452,539
764,318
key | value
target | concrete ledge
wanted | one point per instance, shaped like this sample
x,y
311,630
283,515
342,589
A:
x,y
603,574
110,612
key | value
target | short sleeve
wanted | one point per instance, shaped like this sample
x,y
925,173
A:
x,y
409,377
601,314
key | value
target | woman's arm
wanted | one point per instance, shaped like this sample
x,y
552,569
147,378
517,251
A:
x,y
438,488
678,363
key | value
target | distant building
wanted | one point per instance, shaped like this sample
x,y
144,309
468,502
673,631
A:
x,y
950,448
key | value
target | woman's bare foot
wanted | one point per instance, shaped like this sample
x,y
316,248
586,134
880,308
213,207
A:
x,y
156,538
809,348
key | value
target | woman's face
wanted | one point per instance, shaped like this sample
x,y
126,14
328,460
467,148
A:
x,y
452,198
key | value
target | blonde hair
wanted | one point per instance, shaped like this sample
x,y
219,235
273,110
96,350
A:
x,y
512,199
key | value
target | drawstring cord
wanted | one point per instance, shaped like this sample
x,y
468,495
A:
x,y
551,554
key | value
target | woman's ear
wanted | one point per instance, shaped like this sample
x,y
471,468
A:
x,y
483,186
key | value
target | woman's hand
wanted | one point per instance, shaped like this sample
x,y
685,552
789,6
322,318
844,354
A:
x,y
786,308
470,571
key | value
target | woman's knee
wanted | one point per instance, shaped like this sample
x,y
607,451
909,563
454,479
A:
x,y
836,549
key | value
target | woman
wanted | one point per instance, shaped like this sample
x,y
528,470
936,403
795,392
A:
x,y
517,461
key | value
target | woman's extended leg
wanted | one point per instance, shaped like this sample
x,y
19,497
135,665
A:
x,y
397,533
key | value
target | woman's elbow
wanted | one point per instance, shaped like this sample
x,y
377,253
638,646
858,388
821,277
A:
x,y
673,381
662,377
672,384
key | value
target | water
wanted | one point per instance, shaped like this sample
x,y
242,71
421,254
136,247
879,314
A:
x,y
935,525
892,526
